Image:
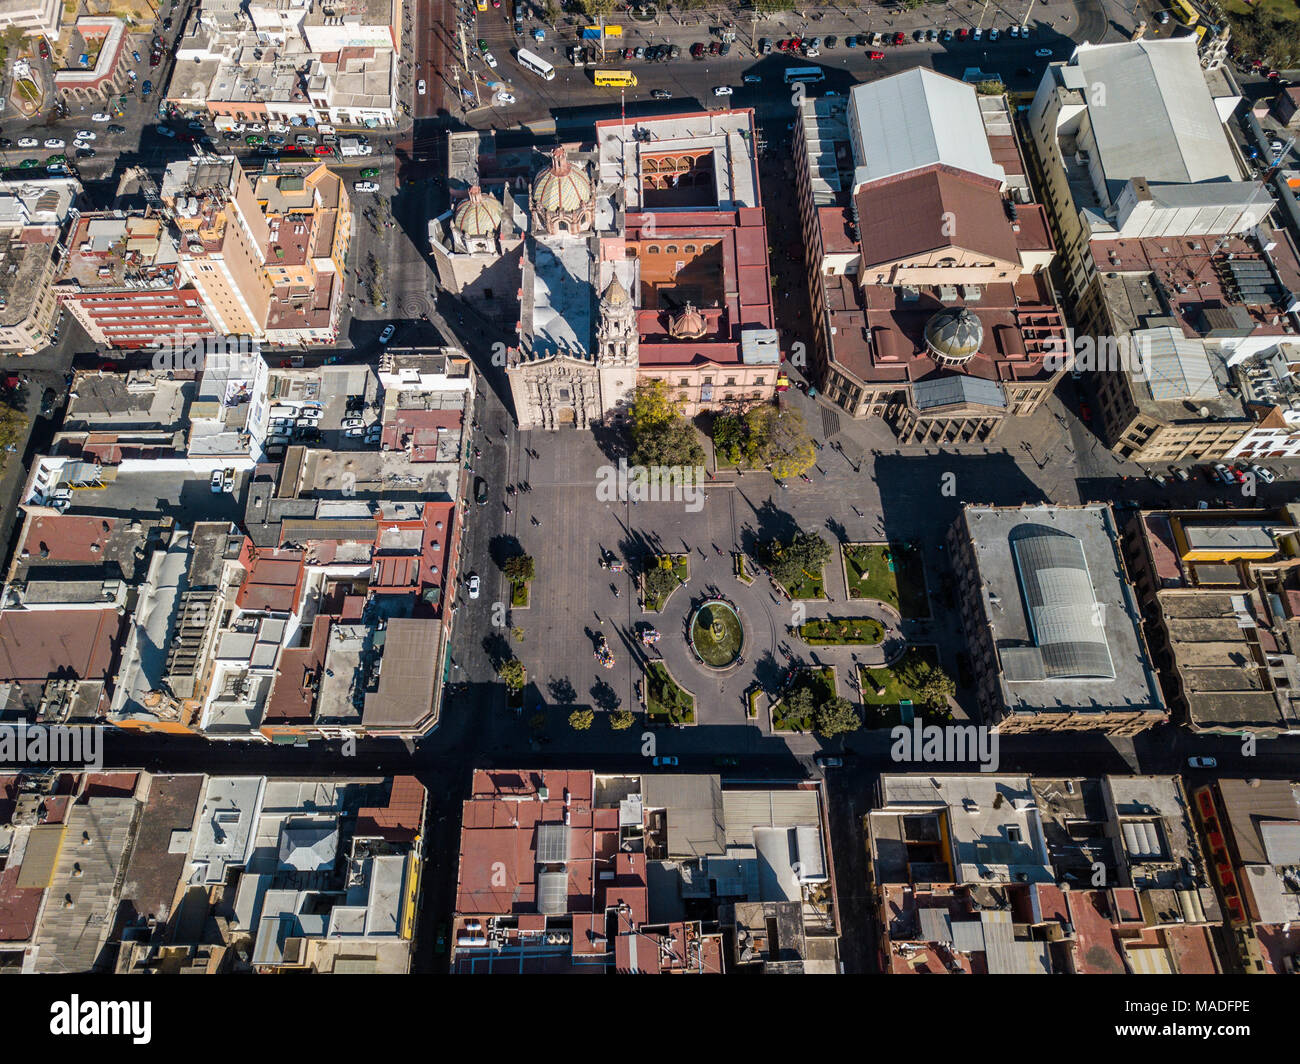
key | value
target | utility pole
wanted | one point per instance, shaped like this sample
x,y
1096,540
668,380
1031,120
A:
x,y
1027,13
600,21
753,30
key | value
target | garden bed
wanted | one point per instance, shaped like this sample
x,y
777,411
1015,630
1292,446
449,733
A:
x,y
882,711
666,700
520,595
822,683
841,631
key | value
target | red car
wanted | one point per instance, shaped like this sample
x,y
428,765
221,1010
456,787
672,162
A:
x,y
697,50
1085,411
876,55
323,149
796,43
899,38
961,33
627,53
43,47
783,45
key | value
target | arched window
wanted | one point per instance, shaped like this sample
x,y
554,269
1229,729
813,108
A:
x,y
671,249
653,249
689,249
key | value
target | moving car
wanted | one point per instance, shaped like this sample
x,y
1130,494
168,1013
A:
x,y
27,164
28,142
876,55
387,334
722,90
480,490
369,172
490,60
1202,762
1043,53
217,480
664,762
661,94
421,87
101,116
55,142
365,186
167,131
474,585
146,87
135,55
505,97
828,762
753,79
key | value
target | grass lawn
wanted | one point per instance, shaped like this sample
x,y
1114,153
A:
x,y
665,699
809,586
870,577
519,594
882,710
820,681
842,631
751,700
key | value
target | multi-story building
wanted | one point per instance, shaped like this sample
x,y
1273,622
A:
x,y
1251,832
1220,592
34,16
1052,623
927,258
647,259
998,874
135,873
269,256
122,282
36,216
1172,267
569,872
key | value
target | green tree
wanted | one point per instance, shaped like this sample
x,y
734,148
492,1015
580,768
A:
x,y
520,568
660,434
835,716
805,553
581,719
513,674
517,634
933,686
659,582
780,440
799,703
621,720
729,435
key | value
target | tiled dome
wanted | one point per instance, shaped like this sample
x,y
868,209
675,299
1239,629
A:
x,y
479,215
954,334
561,188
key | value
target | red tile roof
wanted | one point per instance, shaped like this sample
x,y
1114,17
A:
x,y
37,645
400,819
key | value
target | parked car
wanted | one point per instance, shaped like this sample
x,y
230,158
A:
x,y
135,55
480,491
48,398
994,34
365,186
850,42
146,87
27,164
101,116
55,142
898,37
1180,473
115,129
828,762
490,60
167,131
697,50
421,87
217,480
977,33
353,423
1225,474
765,46
474,585
275,138
753,79
85,152
387,334
661,94
876,55
1202,762
665,762
228,481
369,172
722,90
1043,53
43,47
322,149
1265,474
28,142
1162,17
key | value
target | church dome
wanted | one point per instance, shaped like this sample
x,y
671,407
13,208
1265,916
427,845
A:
x,y
954,335
479,215
689,324
561,187
615,294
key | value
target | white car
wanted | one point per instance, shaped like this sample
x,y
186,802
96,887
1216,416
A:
x,y
1202,762
365,186
28,142
131,75
505,97
976,33
217,481
353,433
722,90
1266,475
1043,53
54,142
1225,474
421,87
811,53
387,334
994,34
85,134
353,423
473,585
753,79
228,482
101,116
490,60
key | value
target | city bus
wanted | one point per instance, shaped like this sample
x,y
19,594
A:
x,y
617,78
536,64
804,74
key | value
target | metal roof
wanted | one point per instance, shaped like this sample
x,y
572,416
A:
x,y
552,843
915,119
1064,617
553,893
1176,367
956,390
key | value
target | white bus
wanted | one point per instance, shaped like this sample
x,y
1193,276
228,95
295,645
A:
x,y
535,63
804,74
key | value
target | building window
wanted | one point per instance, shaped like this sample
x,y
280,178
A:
x,y
690,249
671,249
758,381
731,382
685,382
707,380
653,249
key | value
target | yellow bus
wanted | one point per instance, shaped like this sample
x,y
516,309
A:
x,y
1185,12
618,78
